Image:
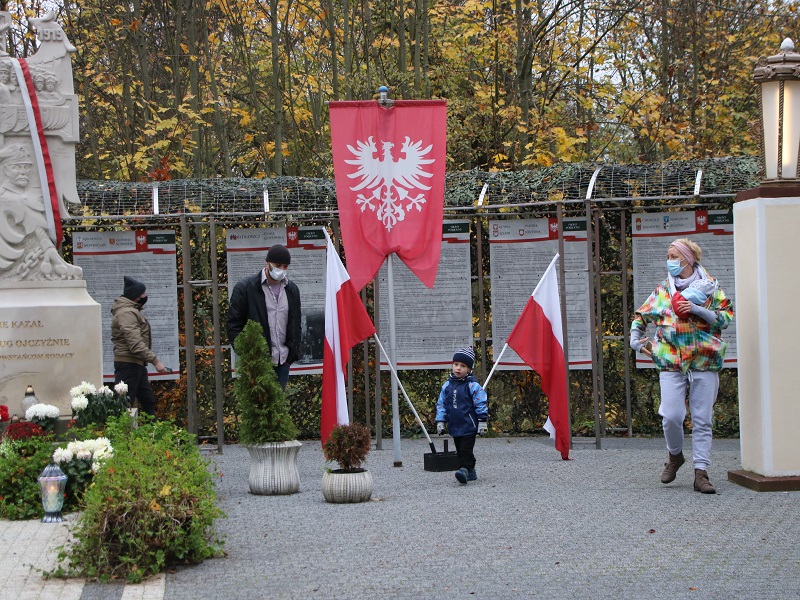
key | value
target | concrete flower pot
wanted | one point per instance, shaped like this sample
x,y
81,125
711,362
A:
x,y
273,468
341,487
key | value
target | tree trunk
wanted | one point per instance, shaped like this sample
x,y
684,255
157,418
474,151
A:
x,y
277,91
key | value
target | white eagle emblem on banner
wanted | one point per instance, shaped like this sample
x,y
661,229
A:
x,y
389,182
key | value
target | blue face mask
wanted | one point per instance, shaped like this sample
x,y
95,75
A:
x,y
694,295
674,267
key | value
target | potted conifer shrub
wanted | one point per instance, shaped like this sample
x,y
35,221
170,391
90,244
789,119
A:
x,y
348,445
265,426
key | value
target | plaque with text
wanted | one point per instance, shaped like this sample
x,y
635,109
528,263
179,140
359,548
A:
x,y
247,252
520,251
652,234
150,257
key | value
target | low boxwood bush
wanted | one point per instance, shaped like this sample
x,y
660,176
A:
x,y
151,505
21,462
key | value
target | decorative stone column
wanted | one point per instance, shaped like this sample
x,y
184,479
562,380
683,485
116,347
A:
x,y
766,230
767,247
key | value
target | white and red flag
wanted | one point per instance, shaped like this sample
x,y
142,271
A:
x,y
389,167
539,340
346,324
44,165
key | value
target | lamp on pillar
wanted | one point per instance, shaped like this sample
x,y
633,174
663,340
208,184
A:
x,y
778,77
766,247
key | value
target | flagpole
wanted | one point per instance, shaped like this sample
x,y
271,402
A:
x,y
562,300
398,460
494,366
405,395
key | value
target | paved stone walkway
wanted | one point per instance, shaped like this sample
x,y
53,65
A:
x,y
532,526
26,548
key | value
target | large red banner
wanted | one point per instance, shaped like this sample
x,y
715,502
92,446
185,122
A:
x,y
389,166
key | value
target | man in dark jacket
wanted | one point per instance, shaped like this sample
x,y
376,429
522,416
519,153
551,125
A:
x,y
270,299
130,334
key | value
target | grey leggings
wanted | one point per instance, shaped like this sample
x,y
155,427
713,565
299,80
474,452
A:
x,y
703,388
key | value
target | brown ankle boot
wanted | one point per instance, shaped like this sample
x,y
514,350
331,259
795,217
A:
x,y
701,482
671,467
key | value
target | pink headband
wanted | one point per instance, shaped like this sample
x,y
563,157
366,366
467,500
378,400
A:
x,y
685,251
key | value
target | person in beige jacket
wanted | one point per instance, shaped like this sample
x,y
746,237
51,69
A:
x,y
130,334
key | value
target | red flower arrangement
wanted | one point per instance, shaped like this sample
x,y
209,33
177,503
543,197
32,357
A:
x,y
3,412
23,430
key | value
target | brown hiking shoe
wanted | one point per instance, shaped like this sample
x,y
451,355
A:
x,y
671,467
701,482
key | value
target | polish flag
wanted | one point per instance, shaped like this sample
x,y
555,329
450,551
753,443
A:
x,y
539,340
346,324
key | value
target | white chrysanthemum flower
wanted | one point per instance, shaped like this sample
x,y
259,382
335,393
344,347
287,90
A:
x,y
87,388
106,391
76,391
62,455
102,457
76,447
42,411
95,467
97,450
121,388
79,403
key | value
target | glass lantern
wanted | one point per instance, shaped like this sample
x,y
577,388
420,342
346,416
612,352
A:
x,y
52,481
29,399
778,78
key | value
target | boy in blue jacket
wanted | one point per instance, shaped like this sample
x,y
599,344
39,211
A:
x,y
462,405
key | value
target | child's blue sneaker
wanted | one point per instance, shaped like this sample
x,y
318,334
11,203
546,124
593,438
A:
x,y
462,475
472,475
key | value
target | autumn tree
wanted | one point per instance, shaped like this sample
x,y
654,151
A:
x,y
238,87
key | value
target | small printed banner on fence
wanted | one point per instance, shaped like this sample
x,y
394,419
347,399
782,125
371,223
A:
x,y
652,234
148,256
247,252
520,251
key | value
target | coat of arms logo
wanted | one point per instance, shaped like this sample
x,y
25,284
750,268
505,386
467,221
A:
x,y
390,182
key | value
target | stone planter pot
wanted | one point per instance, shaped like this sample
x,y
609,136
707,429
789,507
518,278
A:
x,y
273,468
339,486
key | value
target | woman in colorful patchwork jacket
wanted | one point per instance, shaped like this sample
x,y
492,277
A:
x,y
689,310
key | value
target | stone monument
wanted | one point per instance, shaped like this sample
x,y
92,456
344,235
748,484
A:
x,y
50,328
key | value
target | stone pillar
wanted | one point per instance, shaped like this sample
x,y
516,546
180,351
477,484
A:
x,y
767,250
50,338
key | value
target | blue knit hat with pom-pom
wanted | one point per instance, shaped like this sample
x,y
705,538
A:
x,y
466,356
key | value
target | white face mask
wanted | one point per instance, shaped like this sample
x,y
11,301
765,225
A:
x,y
276,274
